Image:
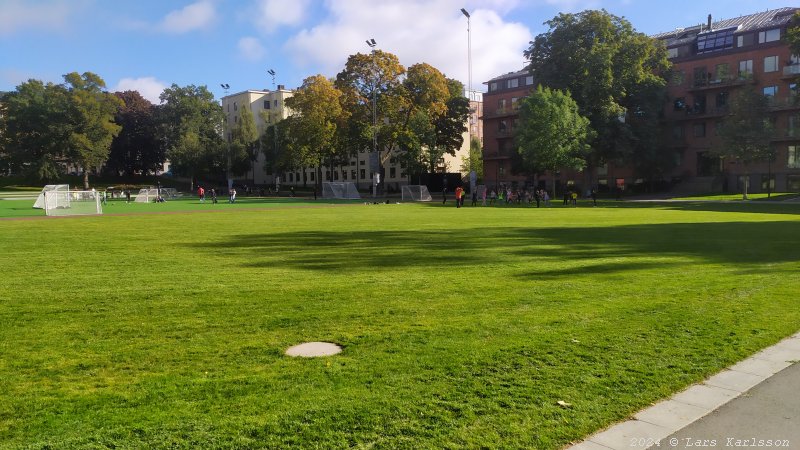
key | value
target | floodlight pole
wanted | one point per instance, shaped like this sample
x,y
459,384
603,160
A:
x,y
372,44
274,132
227,86
469,54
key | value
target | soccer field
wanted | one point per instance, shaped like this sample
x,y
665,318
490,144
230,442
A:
x,y
459,327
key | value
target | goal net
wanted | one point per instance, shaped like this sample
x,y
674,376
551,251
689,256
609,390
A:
x,y
40,200
416,193
344,190
72,203
150,195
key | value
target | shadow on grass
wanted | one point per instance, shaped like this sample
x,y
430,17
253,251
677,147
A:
x,y
574,250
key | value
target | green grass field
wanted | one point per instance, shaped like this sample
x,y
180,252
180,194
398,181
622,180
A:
x,y
460,327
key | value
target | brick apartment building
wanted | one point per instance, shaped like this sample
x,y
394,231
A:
x,y
711,62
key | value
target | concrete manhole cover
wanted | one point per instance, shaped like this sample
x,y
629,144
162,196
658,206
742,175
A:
x,y
314,349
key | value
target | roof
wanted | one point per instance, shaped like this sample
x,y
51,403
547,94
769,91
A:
x,y
768,19
517,74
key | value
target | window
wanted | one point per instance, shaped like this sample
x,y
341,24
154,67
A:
x,y
793,130
715,41
266,104
677,132
717,127
745,39
392,172
344,174
361,163
700,75
291,177
275,103
771,91
502,126
529,80
679,104
234,106
721,72
514,82
335,175
514,103
493,86
352,174
699,129
722,99
363,174
746,69
794,157
793,183
501,105
672,52
771,64
677,78
769,35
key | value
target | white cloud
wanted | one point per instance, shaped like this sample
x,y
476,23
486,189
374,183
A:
x,y
149,87
20,15
250,49
417,31
196,16
269,15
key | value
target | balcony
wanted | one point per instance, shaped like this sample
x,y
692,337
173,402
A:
x,y
784,103
704,84
499,112
791,71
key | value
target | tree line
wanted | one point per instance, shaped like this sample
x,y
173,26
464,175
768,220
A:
x,y
419,114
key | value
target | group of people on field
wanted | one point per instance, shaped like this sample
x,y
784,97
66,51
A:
x,y
201,193
515,196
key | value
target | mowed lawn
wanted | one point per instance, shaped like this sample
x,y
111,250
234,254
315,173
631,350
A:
x,y
460,327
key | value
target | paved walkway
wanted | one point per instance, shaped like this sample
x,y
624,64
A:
x,y
753,404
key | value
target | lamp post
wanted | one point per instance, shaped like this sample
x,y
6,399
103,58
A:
x,y
375,176
227,86
275,136
469,54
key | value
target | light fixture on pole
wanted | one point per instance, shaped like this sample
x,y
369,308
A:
x,y
375,176
225,86
469,54
275,135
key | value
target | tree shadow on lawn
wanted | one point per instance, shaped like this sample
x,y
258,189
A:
x,y
580,249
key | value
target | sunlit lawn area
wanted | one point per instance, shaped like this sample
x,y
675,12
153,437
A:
x,y
777,196
460,327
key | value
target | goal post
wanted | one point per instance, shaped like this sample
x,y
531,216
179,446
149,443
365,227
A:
x,y
343,190
72,203
40,200
416,193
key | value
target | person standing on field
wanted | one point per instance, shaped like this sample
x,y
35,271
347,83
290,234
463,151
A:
x,y
459,193
201,193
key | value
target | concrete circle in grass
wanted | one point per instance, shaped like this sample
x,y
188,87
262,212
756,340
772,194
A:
x,y
314,349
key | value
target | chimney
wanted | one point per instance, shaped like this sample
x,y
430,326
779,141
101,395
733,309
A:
x,y
709,22
281,87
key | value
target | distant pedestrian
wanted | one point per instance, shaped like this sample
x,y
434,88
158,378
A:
x,y
444,195
201,193
232,196
459,193
213,196
574,196
291,191
474,197
537,196
127,195
593,194
546,197
492,197
483,195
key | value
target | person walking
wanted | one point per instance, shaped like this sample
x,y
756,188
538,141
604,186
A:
x,y
213,196
232,196
593,194
459,193
537,197
546,198
474,197
444,195
574,196
201,193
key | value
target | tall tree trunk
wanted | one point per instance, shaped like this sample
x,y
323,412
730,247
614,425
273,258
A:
x,y
85,179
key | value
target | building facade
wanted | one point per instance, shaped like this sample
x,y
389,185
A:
x,y
712,62
267,107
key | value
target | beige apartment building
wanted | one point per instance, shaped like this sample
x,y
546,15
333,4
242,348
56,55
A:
x,y
268,107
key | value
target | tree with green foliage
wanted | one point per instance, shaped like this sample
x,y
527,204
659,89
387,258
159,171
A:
x,y
474,160
244,142
36,129
792,36
610,70
318,119
5,155
747,132
552,134
192,126
91,114
139,147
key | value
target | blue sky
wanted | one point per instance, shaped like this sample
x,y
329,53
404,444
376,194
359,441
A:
x,y
149,44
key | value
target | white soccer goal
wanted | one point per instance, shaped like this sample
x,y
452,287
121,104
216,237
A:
x,y
416,193
49,188
72,203
344,190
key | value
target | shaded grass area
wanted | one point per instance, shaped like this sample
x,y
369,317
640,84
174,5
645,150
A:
x,y
461,328
762,196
